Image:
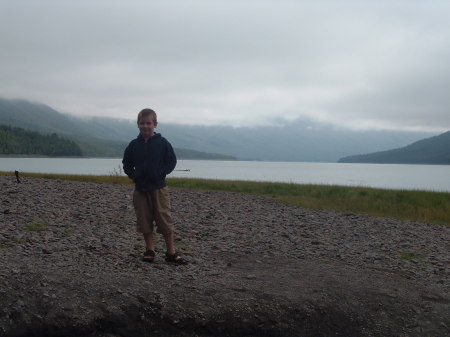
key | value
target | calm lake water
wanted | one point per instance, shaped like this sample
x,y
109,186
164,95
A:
x,y
391,176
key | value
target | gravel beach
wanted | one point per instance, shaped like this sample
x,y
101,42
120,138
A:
x,y
71,266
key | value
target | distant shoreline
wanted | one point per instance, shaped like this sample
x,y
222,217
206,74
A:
x,y
92,157
216,159
39,156
409,177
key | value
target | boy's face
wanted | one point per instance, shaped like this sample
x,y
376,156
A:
x,y
147,126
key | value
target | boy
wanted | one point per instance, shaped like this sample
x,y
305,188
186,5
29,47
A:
x,y
147,160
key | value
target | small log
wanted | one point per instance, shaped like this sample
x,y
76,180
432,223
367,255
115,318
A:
x,y
17,176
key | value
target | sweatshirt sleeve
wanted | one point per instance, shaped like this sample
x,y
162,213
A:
x,y
127,161
170,160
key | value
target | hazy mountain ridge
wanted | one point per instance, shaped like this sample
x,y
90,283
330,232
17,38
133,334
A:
x,y
97,137
300,140
433,150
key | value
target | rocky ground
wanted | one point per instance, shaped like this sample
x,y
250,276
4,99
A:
x,y
71,266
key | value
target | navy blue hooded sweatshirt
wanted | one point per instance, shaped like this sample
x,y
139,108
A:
x,y
148,163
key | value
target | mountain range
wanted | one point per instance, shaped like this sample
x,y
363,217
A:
x,y
97,137
299,140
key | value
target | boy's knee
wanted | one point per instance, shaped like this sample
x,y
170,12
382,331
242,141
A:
x,y
165,229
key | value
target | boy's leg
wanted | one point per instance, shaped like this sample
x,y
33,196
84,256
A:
x,y
143,207
170,242
172,255
148,238
163,219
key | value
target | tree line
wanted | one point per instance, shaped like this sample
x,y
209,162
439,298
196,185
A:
x,y
18,141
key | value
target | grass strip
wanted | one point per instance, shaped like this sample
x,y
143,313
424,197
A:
x,y
410,205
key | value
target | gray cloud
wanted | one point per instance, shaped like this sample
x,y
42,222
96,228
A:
x,y
352,63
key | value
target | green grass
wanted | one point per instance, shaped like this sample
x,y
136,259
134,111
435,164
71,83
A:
x,y
113,178
408,256
420,206
35,227
11,243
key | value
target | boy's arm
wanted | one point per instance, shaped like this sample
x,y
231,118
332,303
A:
x,y
128,166
170,160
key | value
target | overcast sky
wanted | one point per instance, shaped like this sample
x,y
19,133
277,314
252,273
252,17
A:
x,y
364,64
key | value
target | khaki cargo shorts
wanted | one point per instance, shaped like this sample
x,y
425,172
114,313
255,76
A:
x,y
153,207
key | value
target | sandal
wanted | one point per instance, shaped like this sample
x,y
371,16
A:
x,y
175,258
149,256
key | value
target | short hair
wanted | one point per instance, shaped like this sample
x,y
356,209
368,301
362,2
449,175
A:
x,y
147,112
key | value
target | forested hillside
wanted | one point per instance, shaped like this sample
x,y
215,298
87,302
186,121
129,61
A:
x,y
434,150
19,141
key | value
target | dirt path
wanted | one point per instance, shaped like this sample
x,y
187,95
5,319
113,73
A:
x,y
71,266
